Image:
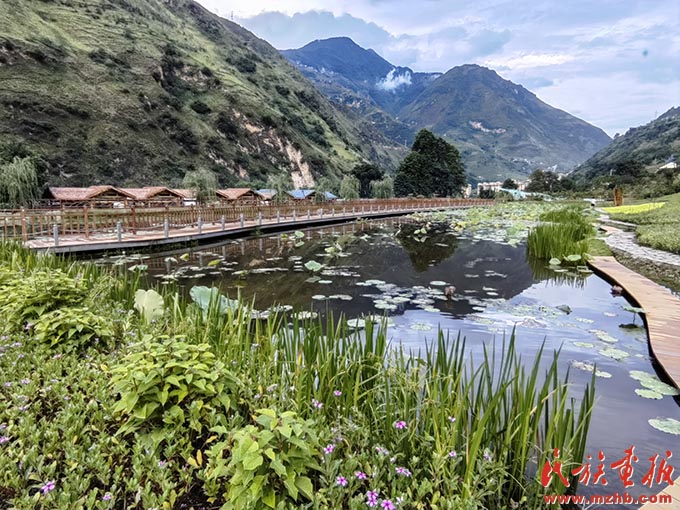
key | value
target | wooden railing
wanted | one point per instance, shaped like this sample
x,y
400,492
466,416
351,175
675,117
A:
x,y
27,224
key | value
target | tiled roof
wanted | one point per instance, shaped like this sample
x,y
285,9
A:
x,y
185,193
234,193
82,194
150,192
267,194
301,194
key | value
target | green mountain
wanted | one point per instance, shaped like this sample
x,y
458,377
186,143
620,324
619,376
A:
x,y
138,92
648,146
501,129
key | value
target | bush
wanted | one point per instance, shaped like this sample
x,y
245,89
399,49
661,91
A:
x,y
72,328
200,107
269,463
174,384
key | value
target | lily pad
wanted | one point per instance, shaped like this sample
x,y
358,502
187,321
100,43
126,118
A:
x,y
325,282
356,323
421,326
438,283
584,345
651,394
613,353
604,336
589,367
668,425
313,265
319,297
298,234
554,262
573,258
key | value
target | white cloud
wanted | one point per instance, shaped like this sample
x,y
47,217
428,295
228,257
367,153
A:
x,y
530,61
394,80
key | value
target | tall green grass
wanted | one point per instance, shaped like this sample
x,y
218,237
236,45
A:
x,y
562,233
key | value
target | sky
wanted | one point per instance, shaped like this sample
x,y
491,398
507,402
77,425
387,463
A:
x,y
613,63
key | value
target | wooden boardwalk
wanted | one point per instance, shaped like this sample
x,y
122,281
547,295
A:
x,y
672,491
662,312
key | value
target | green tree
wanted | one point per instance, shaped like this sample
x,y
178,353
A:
x,y
19,182
433,167
367,173
509,184
543,182
281,183
203,182
384,188
349,187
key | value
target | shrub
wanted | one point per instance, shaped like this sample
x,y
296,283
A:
x,y
245,65
269,463
71,328
172,383
200,107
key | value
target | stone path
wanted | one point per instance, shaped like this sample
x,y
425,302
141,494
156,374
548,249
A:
x,y
618,240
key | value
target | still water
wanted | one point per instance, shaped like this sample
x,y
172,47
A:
x,y
390,268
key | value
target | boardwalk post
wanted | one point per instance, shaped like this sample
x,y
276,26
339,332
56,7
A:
x,y
134,220
259,218
87,223
55,234
353,211
333,212
199,224
24,233
344,211
119,231
321,212
222,222
166,228
241,220
308,214
278,216
294,215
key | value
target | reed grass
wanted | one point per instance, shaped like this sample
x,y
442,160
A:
x,y
563,232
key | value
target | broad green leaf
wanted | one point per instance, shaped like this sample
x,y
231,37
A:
x,y
149,304
313,265
305,485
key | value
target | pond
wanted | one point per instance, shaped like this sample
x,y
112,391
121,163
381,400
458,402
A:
x,y
404,269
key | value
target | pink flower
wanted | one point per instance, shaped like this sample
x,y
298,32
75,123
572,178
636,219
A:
x,y
49,486
360,475
372,498
453,454
106,497
337,393
328,449
402,471
341,481
387,505
400,425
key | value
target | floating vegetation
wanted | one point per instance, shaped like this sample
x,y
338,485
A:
x,y
616,354
584,345
653,383
313,265
651,394
438,283
668,425
604,336
319,297
421,326
590,367
324,282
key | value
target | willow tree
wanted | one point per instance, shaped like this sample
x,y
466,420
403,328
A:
x,y
281,183
349,187
384,188
19,182
203,182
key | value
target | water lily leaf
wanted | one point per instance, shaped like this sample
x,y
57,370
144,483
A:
x,y
319,297
633,309
573,258
584,345
438,283
325,282
589,367
214,263
185,256
299,234
299,243
613,353
356,323
604,336
554,262
651,394
421,326
668,425
313,265
342,297
172,260
660,387
312,279
204,297
138,267
149,304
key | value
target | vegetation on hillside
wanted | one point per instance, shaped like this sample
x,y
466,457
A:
x,y
432,168
138,92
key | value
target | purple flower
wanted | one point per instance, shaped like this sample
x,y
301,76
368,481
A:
x,y
400,425
8,384
341,481
360,475
452,419
162,463
4,439
106,497
487,456
453,454
337,393
49,486
25,381
372,498
28,326
387,505
402,471
316,404
381,450
328,449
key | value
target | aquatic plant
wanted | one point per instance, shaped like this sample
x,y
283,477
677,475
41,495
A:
x,y
564,236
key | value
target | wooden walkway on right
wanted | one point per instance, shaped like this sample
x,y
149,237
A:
x,y
672,491
662,312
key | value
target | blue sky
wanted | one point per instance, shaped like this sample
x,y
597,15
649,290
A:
x,y
614,63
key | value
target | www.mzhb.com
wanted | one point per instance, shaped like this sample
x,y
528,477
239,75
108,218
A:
x,y
611,499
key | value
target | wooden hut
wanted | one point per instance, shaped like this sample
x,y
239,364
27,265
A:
x,y
238,195
188,196
302,194
155,196
93,196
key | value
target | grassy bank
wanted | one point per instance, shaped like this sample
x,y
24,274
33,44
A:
x,y
659,225
118,397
